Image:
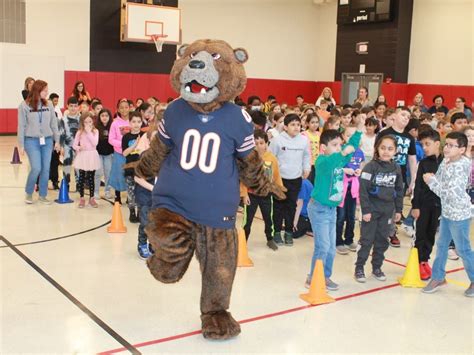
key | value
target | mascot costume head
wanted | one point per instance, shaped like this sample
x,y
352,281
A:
x,y
203,148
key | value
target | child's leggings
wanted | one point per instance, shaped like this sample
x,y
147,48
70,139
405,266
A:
x,y
83,175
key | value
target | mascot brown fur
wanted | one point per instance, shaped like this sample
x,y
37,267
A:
x,y
207,75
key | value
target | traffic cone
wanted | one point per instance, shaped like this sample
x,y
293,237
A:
x,y
117,225
63,196
243,256
317,291
412,278
16,157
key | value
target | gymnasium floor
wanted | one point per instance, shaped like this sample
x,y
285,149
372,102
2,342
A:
x,y
69,287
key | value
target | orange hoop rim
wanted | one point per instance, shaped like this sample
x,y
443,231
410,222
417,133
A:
x,y
157,37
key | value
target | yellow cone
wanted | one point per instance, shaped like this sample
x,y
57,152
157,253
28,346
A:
x,y
117,225
243,259
412,278
317,291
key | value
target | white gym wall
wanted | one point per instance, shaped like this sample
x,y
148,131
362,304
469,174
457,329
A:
x,y
286,39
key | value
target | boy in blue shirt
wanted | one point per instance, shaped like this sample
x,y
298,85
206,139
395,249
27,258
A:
x,y
301,223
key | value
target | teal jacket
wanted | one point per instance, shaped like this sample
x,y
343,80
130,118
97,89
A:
x,y
328,183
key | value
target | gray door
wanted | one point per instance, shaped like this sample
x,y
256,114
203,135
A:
x,y
351,82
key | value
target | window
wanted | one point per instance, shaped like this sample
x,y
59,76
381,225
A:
x,y
12,21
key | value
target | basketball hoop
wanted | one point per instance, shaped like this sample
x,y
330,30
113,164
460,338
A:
x,y
159,40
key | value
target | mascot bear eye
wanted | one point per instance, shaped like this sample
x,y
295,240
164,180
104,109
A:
x,y
216,56
193,54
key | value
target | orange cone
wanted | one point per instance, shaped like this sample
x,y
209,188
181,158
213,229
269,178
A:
x,y
117,225
243,256
317,291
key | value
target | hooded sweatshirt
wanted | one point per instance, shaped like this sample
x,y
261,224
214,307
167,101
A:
x,y
381,187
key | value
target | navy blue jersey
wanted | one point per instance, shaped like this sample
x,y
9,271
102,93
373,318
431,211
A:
x,y
199,178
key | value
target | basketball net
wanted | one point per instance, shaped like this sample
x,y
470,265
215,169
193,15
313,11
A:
x,y
159,40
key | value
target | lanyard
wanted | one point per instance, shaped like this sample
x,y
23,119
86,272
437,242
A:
x,y
40,114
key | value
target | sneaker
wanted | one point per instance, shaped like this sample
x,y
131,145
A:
x,y
379,275
341,249
82,202
331,285
394,241
93,203
409,230
288,239
428,268
433,286
108,195
44,201
143,251
424,274
29,199
133,216
352,247
359,275
55,186
307,283
470,291
277,239
452,255
272,245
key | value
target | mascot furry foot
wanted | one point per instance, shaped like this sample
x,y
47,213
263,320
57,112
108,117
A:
x,y
219,325
204,146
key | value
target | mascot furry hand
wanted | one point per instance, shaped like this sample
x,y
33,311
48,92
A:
x,y
204,145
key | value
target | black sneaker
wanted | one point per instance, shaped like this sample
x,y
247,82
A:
x,y
272,245
288,239
359,275
133,216
277,239
379,275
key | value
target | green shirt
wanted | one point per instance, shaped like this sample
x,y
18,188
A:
x,y
328,183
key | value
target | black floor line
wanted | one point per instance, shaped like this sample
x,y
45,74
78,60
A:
x,y
71,298
64,236
59,238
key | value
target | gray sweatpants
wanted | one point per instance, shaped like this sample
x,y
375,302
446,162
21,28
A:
x,y
374,233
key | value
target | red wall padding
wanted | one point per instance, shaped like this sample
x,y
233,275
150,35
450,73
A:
x,y
110,87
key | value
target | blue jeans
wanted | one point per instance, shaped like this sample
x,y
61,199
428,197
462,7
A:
x,y
105,168
40,162
458,231
323,223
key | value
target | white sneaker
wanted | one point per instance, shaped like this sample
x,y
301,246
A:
x,y
452,255
341,249
409,230
29,199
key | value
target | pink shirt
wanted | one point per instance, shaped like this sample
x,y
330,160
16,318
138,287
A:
x,y
115,133
86,141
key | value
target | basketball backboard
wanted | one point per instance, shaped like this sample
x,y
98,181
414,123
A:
x,y
139,22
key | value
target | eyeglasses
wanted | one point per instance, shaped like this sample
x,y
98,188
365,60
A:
x,y
449,145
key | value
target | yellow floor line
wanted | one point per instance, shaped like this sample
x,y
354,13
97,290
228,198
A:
x,y
458,283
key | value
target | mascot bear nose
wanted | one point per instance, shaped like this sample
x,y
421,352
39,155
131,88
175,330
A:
x,y
197,64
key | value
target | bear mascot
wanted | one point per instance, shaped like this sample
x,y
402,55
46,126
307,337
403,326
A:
x,y
204,145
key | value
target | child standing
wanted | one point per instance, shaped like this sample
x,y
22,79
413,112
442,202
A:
x,y
105,150
313,135
131,154
291,150
347,209
426,206
69,128
367,141
87,158
252,202
381,194
327,195
450,183
119,127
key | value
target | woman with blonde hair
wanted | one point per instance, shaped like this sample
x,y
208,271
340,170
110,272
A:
x,y
326,95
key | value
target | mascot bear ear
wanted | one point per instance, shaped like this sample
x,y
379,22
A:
x,y
182,49
241,55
